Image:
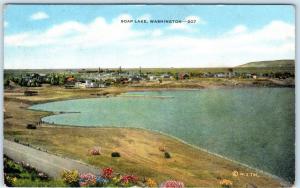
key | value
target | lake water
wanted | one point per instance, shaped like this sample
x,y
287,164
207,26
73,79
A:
x,y
255,126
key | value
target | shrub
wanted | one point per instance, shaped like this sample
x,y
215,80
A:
x,y
172,184
87,180
31,126
43,176
16,140
116,180
128,180
100,181
70,177
9,181
151,183
95,151
107,173
115,154
167,155
23,175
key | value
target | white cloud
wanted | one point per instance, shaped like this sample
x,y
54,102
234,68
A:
x,y
157,33
114,44
5,24
75,34
39,16
238,29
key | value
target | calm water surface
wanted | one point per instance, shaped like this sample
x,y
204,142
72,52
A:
x,y
254,126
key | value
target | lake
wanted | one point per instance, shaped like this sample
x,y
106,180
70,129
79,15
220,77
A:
x,y
255,126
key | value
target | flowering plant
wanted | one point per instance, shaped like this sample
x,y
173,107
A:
x,y
226,183
10,180
128,179
95,151
100,181
151,183
116,180
172,184
71,177
107,173
87,179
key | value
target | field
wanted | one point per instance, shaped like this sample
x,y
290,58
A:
x,y
139,148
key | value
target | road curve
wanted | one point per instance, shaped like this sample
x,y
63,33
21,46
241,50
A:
x,y
50,164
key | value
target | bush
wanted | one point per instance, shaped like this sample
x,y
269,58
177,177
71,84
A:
x,y
151,183
31,126
107,173
172,183
87,180
115,154
16,140
23,175
101,182
128,180
95,151
71,177
167,155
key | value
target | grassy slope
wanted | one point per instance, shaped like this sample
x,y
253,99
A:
x,y
276,63
139,148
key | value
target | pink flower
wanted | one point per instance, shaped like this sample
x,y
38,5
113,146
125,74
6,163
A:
x,y
95,151
129,179
87,179
172,184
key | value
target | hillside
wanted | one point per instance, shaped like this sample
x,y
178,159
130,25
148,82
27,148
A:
x,y
275,63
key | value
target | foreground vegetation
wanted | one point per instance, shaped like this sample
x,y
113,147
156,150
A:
x,y
20,174
139,149
23,175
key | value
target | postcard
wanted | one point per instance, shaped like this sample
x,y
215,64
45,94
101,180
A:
x,y
149,95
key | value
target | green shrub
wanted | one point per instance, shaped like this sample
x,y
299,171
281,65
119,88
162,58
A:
x,y
23,175
16,140
167,155
115,154
31,126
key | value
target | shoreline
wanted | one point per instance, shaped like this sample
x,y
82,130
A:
x,y
283,181
125,90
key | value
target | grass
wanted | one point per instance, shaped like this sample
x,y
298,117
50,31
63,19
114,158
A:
x,y
139,149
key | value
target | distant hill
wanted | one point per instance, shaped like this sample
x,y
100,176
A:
x,y
276,63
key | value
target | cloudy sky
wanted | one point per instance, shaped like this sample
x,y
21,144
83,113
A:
x,y
89,36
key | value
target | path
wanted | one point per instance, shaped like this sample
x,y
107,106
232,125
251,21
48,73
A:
x,y
50,164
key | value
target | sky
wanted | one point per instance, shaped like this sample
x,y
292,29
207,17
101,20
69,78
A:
x,y
91,36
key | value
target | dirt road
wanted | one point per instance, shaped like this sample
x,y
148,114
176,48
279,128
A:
x,y
48,163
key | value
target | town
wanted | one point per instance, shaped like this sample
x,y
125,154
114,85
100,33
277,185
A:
x,y
102,78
